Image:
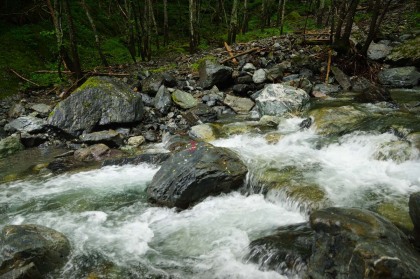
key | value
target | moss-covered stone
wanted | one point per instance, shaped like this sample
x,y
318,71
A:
x,y
408,53
10,145
397,214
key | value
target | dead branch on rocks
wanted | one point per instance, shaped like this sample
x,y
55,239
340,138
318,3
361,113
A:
x,y
23,78
87,74
240,54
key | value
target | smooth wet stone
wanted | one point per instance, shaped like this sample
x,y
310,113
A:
x,y
326,88
109,136
163,100
136,141
32,249
249,67
94,152
204,113
41,108
337,120
397,213
149,158
195,173
286,251
259,76
378,51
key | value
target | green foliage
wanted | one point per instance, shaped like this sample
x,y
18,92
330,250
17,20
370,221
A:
x,y
195,66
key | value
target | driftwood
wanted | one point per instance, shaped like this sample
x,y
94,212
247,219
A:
x,y
229,50
327,77
23,78
240,54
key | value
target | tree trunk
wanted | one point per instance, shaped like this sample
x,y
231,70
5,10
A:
x,y
320,12
73,42
233,27
245,18
375,23
282,11
165,23
345,39
95,32
193,25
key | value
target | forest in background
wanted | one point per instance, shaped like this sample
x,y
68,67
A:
x,y
83,35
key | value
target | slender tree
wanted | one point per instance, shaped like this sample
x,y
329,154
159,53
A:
x,y
165,23
193,19
281,12
95,32
245,19
233,26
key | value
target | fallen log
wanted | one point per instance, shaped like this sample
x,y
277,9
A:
x,y
229,50
240,54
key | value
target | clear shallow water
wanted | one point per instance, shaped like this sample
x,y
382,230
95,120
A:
x,y
115,233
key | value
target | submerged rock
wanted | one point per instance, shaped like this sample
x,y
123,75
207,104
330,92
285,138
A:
x,y
31,249
110,137
94,152
99,101
279,99
398,151
196,173
374,94
357,243
202,132
414,210
337,120
287,251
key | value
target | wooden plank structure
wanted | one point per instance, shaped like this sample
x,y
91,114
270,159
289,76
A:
x,y
315,37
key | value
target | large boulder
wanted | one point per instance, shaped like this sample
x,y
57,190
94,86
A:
x,y
399,77
99,101
195,173
33,249
357,243
407,53
279,99
10,145
214,74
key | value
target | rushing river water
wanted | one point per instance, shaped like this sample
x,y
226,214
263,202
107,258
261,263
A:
x,y
115,233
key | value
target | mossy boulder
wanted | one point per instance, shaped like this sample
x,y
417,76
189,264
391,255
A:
x,y
195,173
397,213
408,53
10,145
357,243
203,132
38,248
183,99
100,101
337,120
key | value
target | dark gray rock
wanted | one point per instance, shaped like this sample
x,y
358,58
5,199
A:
x,y
29,140
341,78
279,99
99,101
399,77
147,100
249,67
96,152
32,249
326,88
414,210
244,79
169,80
110,137
356,243
163,100
360,84
238,104
26,124
42,109
214,74
196,173
286,251
151,84
204,113
302,83
16,110
243,89
10,145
